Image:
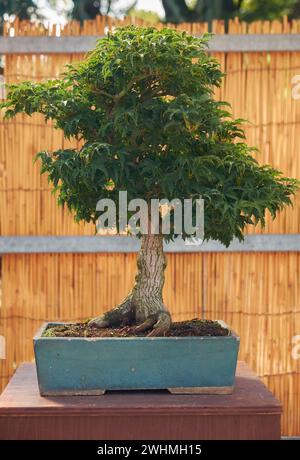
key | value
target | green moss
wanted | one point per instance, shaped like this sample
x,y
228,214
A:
x,y
49,332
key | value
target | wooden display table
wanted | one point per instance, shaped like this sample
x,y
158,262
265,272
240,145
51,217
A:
x,y
251,412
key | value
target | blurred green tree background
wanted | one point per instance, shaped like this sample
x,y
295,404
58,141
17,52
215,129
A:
x,y
175,11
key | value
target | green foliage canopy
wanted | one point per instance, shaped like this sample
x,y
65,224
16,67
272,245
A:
x,y
142,102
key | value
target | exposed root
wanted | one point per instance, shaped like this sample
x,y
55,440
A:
x,y
162,324
147,324
99,322
122,314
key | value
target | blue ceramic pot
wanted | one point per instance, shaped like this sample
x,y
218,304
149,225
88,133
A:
x,y
89,366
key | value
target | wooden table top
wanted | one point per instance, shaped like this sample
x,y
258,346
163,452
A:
x,y
250,396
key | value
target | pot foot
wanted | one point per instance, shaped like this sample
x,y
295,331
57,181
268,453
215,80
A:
x,y
201,390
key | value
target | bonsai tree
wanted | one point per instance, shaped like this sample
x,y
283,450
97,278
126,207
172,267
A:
x,y
142,103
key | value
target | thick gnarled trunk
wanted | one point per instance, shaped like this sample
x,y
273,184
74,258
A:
x,y
144,306
149,281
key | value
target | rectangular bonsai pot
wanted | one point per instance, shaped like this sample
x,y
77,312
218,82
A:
x,y
89,366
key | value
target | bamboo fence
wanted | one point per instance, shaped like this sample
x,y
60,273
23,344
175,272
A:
x,y
256,293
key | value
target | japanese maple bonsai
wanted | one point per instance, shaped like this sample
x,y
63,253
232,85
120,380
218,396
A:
x,y
143,104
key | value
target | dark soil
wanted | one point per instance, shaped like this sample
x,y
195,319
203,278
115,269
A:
x,y
194,327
